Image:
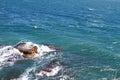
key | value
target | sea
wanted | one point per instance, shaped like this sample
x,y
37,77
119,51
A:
x,y
88,31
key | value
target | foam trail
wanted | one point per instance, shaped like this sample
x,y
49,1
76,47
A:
x,y
42,49
91,9
66,77
25,75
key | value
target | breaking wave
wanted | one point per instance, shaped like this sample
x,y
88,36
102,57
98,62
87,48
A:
x,y
17,67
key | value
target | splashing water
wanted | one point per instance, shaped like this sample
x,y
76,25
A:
x,y
9,54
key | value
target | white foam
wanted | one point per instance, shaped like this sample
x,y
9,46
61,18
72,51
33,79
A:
x,y
91,9
66,77
42,49
35,27
25,75
8,52
115,42
53,72
8,55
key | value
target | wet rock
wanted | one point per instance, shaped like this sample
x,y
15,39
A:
x,y
28,49
51,69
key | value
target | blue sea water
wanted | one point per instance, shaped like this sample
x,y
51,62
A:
x,y
87,30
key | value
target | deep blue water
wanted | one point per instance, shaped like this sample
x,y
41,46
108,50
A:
x,y
87,30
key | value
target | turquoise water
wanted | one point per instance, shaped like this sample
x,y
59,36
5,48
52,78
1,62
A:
x,y
88,32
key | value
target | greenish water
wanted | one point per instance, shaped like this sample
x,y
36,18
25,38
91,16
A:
x,y
88,32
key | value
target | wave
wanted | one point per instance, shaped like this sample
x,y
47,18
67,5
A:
x,y
8,55
46,63
55,65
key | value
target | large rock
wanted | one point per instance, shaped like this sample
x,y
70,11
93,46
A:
x,y
28,49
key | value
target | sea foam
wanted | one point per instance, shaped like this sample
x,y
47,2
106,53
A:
x,y
9,54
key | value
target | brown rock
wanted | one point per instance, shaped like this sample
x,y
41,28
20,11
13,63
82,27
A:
x,y
28,50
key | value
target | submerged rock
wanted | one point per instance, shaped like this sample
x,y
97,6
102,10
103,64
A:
x,y
51,69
